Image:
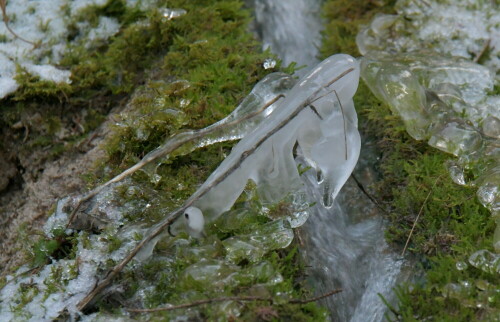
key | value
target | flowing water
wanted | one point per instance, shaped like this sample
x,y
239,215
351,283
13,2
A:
x,y
344,245
291,29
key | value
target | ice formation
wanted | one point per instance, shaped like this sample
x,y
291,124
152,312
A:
x,y
296,42
316,120
323,132
457,28
195,221
424,62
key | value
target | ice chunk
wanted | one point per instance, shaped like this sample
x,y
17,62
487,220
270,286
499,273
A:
x,y
424,62
457,28
456,138
491,127
253,246
486,261
423,88
319,117
170,14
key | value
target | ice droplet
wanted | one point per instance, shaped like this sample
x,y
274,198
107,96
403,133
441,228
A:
x,y
486,261
466,284
461,266
155,178
456,173
269,63
184,102
487,194
170,14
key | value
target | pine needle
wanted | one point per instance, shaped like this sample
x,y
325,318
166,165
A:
x,y
418,216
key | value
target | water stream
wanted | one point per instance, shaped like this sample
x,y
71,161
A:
x,y
344,245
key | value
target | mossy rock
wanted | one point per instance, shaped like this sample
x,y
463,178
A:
x,y
446,221
183,73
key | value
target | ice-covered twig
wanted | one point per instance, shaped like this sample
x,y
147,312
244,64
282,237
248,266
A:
x,y
211,184
172,144
343,120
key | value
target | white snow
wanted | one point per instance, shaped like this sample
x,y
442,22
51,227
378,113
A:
x,y
7,86
45,23
49,72
107,27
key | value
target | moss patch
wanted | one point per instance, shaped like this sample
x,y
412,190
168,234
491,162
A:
x,y
343,21
452,224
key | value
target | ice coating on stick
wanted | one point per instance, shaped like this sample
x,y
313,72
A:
x,y
316,119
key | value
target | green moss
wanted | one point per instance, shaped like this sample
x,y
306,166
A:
x,y
32,87
216,64
344,18
175,285
113,242
100,76
45,249
452,225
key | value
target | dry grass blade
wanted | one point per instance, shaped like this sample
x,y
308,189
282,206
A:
x,y
483,51
3,6
418,216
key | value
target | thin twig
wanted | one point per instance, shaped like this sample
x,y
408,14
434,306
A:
x,y
173,216
314,299
418,216
229,298
3,7
425,3
313,108
362,188
483,50
201,302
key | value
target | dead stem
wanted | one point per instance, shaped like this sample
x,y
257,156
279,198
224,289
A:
x,y
3,7
418,216
368,195
162,225
483,51
230,298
